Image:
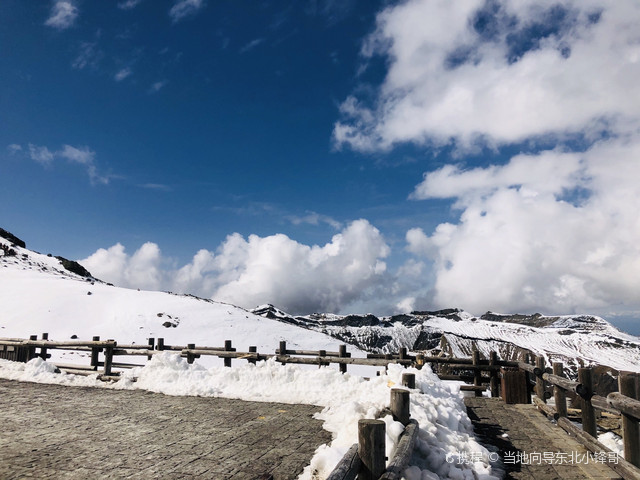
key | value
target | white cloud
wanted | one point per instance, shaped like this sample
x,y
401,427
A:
x,y
63,15
40,154
251,45
185,8
14,148
141,270
570,244
122,74
472,72
86,157
248,272
157,86
83,156
88,56
313,218
128,4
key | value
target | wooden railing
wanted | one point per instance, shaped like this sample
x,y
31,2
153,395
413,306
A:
x,y
507,379
624,403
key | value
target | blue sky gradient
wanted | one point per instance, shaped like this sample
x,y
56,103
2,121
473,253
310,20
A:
x,y
410,148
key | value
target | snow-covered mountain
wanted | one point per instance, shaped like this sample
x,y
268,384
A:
x,y
42,293
576,340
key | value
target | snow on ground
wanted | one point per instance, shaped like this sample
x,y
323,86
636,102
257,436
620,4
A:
x,y
39,295
446,433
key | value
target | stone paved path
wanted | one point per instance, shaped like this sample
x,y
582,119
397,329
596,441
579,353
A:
x,y
52,431
513,429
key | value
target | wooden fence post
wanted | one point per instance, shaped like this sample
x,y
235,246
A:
x,y
630,427
95,352
400,405
190,356
477,373
409,380
494,383
371,448
321,353
43,350
151,342
342,353
160,345
586,392
108,358
539,380
227,348
253,349
559,395
283,349
31,351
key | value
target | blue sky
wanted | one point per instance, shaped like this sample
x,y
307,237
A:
x,y
325,155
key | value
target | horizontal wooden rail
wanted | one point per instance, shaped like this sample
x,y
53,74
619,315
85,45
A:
x,y
619,465
624,404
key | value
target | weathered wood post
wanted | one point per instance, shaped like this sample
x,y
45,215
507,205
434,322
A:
x,y
160,344
95,352
31,351
108,358
514,386
371,448
494,382
43,350
227,348
342,353
402,354
586,392
283,350
321,353
630,427
540,366
409,380
253,349
151,342
190,356
559,395
477,373
400,405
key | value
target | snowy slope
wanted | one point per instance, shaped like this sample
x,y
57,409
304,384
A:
x,y
38,295
572,339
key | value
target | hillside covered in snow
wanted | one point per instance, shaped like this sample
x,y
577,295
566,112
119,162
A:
x,y
40,294
576,340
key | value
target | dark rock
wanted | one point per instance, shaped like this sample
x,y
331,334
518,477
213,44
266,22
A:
x,y
74,267
12,238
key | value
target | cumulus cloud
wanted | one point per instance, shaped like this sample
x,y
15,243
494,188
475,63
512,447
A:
x,y
185,8
255,270
567,244
497,72
555,229
140,270
63,15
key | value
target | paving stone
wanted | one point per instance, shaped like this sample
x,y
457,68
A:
x,y
53,431
528,431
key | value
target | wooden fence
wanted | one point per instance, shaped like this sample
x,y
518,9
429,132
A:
x,y
624,403
508,379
